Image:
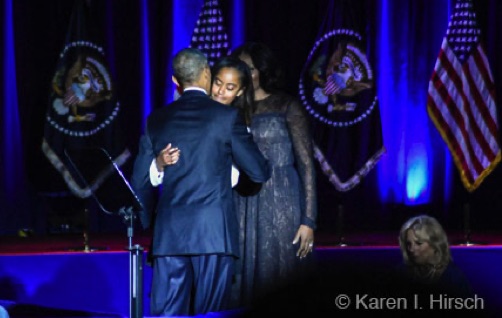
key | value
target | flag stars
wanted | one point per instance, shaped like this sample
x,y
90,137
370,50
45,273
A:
x,y
209,36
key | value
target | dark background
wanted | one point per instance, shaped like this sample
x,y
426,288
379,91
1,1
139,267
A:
x,y
288,27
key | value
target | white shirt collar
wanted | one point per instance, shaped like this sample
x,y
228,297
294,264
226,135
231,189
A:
x,y
193,88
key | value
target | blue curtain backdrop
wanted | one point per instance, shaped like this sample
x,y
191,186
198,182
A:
x,y
408,40
13,185
416,173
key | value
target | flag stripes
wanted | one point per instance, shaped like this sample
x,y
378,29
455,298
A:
x,y
461,103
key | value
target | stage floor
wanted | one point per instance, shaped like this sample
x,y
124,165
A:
x,y
119,242
52,274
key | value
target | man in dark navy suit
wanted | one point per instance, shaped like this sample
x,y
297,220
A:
x,y
195,232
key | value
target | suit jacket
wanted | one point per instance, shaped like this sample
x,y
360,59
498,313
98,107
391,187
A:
x,y
195,212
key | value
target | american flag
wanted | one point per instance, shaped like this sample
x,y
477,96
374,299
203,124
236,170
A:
x,y
461,98
209,35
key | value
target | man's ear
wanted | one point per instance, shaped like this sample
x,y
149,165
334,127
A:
x,y
175,81
207,77
208,73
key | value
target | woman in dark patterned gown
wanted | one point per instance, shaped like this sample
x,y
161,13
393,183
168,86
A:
x,y
277,223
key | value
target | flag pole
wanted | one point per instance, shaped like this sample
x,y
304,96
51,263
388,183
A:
x,y
466,224
85,233
86,230
339,230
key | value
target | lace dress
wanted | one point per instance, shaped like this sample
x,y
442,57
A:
x,y
270,219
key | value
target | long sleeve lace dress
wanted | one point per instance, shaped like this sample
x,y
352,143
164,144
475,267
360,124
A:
x,y
270,219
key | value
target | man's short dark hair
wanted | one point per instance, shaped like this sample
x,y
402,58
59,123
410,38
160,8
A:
x,y
188,65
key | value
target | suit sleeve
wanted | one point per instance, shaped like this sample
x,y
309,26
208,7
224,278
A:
x,y
140,180
246,155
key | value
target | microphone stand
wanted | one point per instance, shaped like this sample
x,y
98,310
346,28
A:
x,y
118,190
135,267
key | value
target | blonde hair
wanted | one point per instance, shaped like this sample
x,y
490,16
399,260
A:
x,y
427,229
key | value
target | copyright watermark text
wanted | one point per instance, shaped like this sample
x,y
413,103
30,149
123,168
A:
x,y
413,302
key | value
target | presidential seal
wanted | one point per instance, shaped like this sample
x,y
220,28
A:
x,y
337,88
81,91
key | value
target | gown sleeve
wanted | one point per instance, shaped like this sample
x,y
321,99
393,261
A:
x,y
299,129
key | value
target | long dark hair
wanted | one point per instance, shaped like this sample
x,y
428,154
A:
x,y
264,60
246,100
